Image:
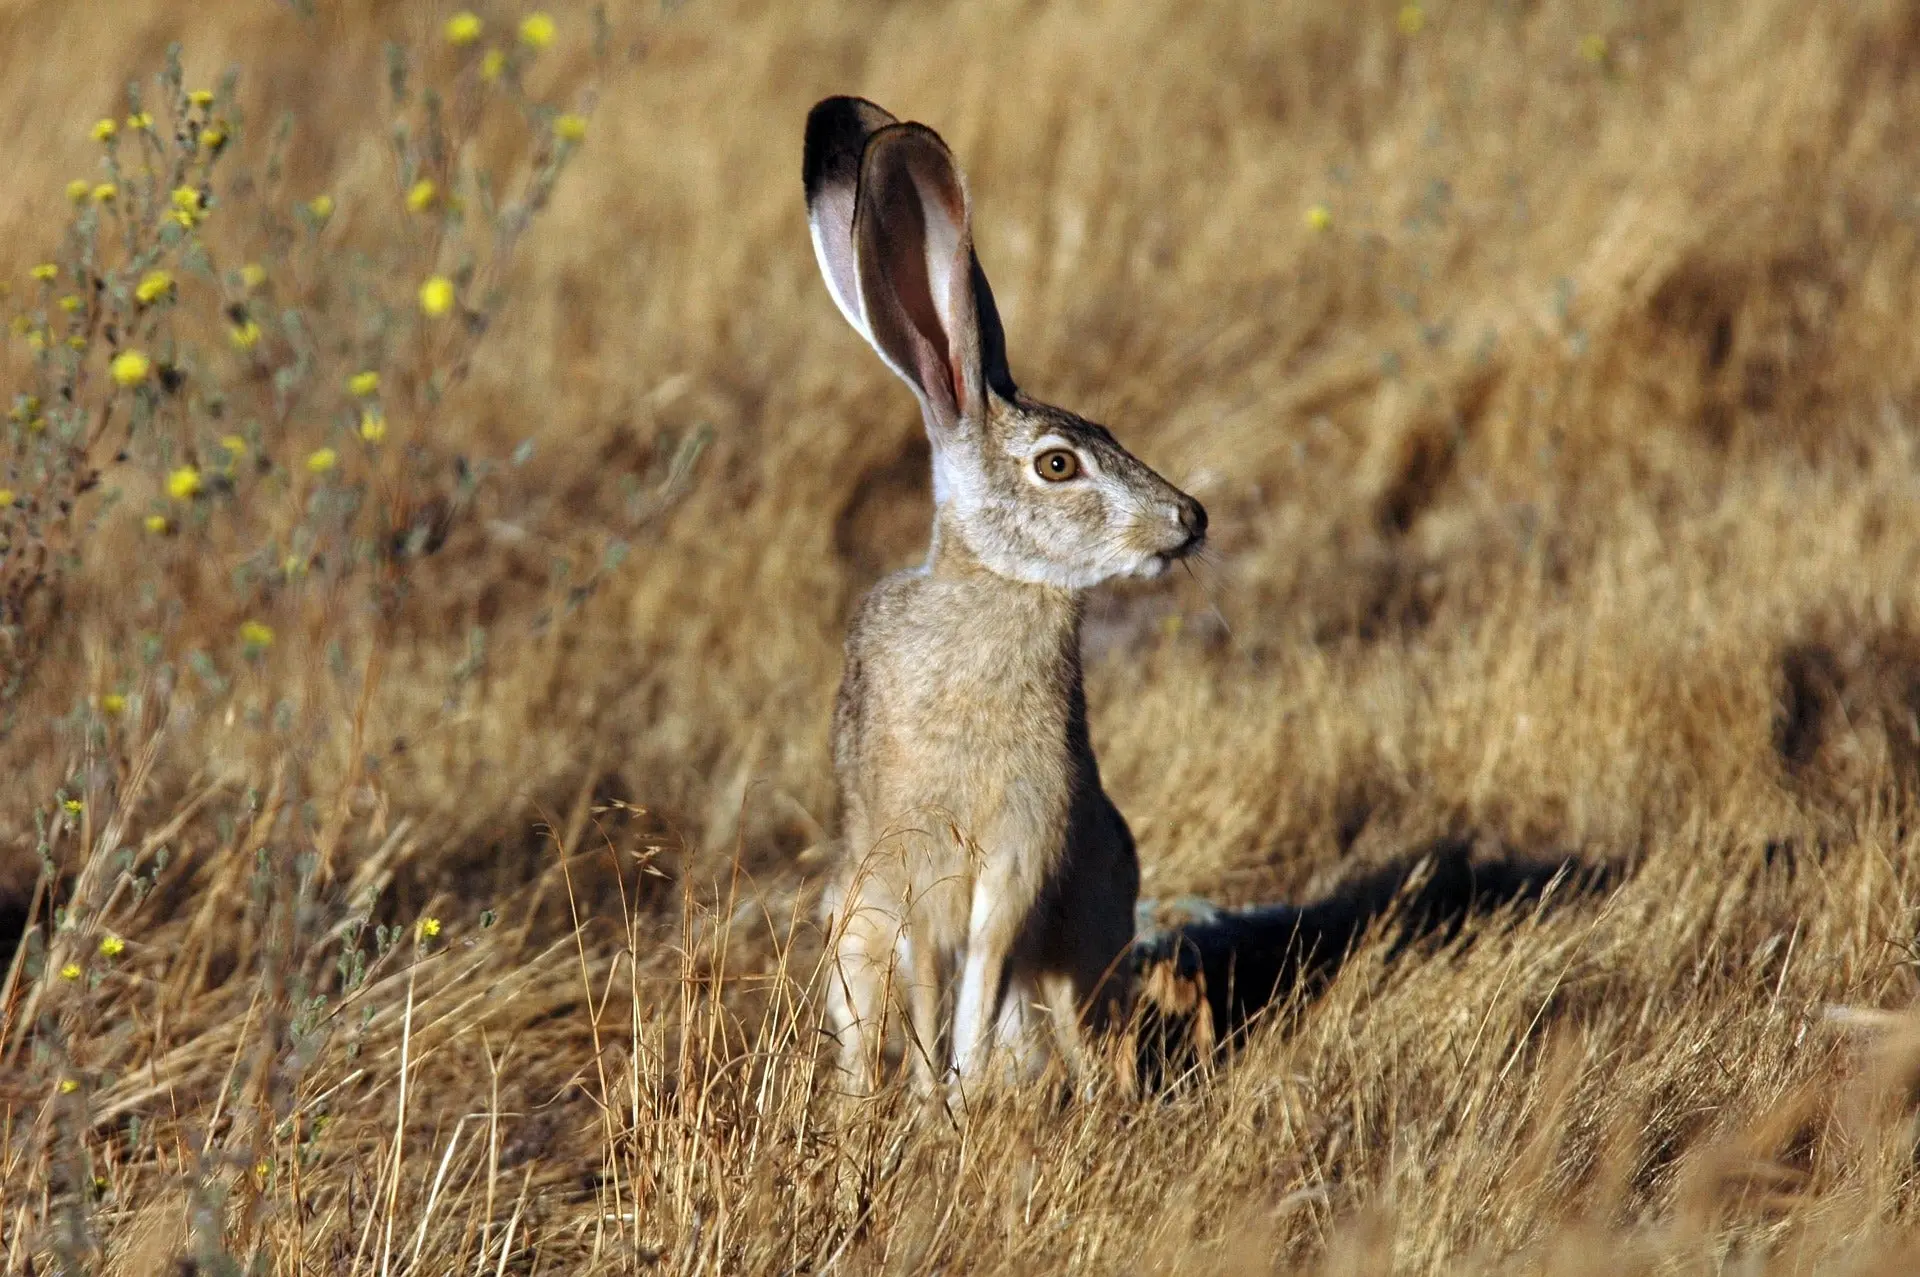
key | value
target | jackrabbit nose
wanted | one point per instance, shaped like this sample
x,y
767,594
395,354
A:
x,y
1193,518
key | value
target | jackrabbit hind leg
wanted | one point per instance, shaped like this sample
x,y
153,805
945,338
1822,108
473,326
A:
x,y
926,1047
857,983
1089,1010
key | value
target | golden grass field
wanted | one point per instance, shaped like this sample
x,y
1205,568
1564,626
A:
x,y
1548,369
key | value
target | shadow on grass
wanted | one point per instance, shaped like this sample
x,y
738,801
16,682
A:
x,y
1205,973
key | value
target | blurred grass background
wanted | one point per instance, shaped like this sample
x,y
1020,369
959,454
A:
x,y
1549,372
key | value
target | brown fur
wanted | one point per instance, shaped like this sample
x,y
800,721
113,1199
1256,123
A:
x,y
978,844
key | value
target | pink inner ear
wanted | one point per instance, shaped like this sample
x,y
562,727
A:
x,y
913,270
949,286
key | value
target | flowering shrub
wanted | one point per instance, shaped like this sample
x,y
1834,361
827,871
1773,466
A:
x,y
209,358
249,384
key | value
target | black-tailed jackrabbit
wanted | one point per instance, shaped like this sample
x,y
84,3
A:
x,y
976,839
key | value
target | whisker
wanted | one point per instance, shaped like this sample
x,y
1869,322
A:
x,y
1213,605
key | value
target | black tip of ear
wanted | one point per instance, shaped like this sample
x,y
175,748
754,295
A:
x,y
993,338
837,133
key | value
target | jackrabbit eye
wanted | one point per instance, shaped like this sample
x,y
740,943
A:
x,y
1057,465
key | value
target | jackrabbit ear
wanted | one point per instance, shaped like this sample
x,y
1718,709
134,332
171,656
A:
x,y
993,338
913,250
838,130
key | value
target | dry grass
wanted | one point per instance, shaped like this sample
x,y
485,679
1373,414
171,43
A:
x,y
1563,485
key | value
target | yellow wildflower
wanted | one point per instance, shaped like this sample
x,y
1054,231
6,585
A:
x,y
1412,19
420,195
244,335
293,565
182,485
6,498
70,303
201,97
130,367
153,285
36,341
364,383
436,296
255,635
77,189
492,64
429,928
156,523
74,806
139,120
321,460
321,206
69,972
570,128
463,27
104,131
114,703
104,193
188,207
373,425
45,272
76,342
112,946
252,275
212,137
1319,218
67,1085
536,31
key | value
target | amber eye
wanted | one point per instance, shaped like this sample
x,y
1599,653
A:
x,y
1057,465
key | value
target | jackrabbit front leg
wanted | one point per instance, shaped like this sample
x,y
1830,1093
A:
x,y
1002,909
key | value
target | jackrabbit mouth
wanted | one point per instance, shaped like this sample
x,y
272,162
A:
x,y
1156,564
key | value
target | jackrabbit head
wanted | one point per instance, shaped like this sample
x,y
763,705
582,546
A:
x,y
1036,493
